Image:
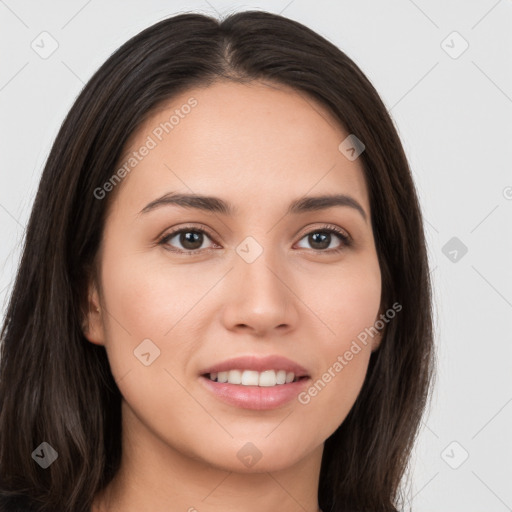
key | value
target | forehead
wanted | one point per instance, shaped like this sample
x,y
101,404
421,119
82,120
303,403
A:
x,y
242,140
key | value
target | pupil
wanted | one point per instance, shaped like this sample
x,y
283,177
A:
x,y
191,242
324,243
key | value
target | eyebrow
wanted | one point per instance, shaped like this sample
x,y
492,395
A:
x,y
218,205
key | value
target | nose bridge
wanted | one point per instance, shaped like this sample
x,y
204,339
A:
x,y
258,266
260,299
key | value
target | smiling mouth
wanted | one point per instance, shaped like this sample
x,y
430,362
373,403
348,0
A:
x,y
267,378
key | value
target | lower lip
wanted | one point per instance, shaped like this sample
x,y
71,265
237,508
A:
x,y
255,397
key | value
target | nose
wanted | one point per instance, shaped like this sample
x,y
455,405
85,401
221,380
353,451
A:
x,y
259,299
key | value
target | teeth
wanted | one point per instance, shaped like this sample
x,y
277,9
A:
x,y
249,378
235,376
267,378
281,377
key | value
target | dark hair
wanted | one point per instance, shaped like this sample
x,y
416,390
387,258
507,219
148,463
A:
x,y
57,387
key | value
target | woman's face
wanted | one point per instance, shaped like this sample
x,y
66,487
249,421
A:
x,y
268,279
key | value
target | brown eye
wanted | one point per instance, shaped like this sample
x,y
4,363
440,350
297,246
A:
x,y
321,239
189,240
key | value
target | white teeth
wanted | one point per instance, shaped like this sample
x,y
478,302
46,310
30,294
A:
x,y
267,378
281,377
249,378
235,377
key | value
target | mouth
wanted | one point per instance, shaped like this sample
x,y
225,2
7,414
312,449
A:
x,y
251,382
267,378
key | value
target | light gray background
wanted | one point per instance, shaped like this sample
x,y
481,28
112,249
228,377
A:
x,y
454,115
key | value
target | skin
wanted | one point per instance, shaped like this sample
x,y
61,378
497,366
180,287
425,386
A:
x,y
259,146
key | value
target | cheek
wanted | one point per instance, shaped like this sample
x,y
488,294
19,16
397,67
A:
x,y
330,397
350,310
348,304
148,298
153,301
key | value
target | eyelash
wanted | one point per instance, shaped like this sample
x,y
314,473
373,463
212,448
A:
x,y
345,240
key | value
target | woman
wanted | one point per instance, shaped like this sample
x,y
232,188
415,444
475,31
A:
x,y
224,300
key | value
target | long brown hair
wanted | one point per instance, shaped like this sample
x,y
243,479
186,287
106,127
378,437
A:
x,y
56,387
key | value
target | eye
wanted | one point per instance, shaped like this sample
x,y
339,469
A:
x,y
190,238
320,239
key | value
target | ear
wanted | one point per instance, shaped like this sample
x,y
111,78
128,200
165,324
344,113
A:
x,y
92,326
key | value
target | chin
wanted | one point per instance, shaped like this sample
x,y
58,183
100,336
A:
x,y
258,456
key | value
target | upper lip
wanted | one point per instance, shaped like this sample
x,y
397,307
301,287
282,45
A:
x,y
259,364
